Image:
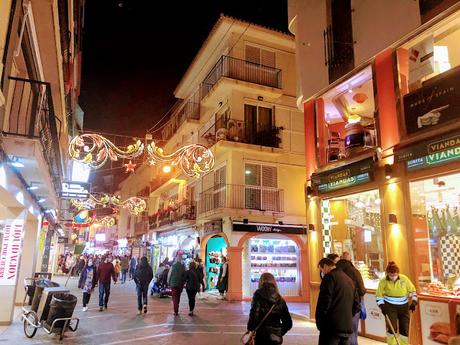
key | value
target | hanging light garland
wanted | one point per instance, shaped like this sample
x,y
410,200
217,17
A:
x,y
94,150
134,205
106,221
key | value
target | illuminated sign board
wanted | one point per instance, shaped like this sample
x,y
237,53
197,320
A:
x,y
75,190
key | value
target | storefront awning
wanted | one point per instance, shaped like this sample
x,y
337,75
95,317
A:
x,y
269,228
344,176
441,150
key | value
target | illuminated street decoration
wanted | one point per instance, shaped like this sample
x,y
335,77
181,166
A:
x,y
82,216
94,150
134,205
194,159
106,221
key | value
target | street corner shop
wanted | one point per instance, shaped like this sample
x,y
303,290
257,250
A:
x,y
394,197
255,248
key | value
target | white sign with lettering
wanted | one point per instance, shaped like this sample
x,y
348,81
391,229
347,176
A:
x,y
11,251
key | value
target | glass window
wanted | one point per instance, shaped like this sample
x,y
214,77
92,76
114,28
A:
x,y
435,206
261,192
346,122
352,224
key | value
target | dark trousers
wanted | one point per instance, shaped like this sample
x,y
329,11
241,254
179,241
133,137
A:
x,y
354,336
104,293
132,270
142,291
399,315
123,275
176,292
86,297
191,298
326,338
203,285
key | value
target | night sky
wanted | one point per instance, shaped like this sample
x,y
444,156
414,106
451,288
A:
x,y
136,51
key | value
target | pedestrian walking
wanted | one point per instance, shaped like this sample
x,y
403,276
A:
x,y
117,266
192,285
124,268
336,305
142,278
396,296
201,271
176,281
105,272
352,272
222,281
269,316
132,267
87,282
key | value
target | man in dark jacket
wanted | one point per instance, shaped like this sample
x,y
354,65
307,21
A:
x,y
351,271
334,310
176,281
105,271
142,278
192,285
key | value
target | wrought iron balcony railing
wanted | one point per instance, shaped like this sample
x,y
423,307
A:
x,y
241,197
31,114
185,210
186,111
238,69
237,131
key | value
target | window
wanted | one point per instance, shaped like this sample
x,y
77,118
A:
x,y
352,223
261,192
436,225
258,123
220,180
260,56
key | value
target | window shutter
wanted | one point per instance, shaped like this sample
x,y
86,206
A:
x,y
268,58
252,174
220,177
269,177
253,54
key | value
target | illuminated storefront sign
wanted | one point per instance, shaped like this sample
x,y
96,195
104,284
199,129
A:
x,y
75,190
269,228
11,251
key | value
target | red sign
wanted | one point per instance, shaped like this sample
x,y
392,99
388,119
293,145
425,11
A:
x,y
11,251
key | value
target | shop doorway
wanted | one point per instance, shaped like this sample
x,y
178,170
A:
x,y
216,248
275,254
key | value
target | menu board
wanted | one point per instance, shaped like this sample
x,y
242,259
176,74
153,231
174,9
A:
x,y
375,321
436,328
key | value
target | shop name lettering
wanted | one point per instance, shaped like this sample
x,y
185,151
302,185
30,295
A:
x,y
434,94
339,175
266,228
12,241
443,156
341,182
444,144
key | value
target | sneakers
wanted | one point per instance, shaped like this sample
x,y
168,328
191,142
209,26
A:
x,y
101,309
145,308
139,312
85,308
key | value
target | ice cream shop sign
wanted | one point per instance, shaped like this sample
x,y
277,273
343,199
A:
x,y
11,251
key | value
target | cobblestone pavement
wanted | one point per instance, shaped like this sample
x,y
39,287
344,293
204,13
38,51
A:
x,y
216,322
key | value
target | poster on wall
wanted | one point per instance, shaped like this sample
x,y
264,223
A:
x,y
375,321
436,328
421,60
11,251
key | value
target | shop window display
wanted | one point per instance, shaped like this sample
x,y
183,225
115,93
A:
x,y
435,207
346,119
216,248
277,256
352,223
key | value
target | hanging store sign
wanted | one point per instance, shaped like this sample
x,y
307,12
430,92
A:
x,y
431,153
436,103
347,176
63,240
269,228
213,227
10,254
75,190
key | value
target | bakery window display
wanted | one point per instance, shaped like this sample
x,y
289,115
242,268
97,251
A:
x,y
278,257
435,204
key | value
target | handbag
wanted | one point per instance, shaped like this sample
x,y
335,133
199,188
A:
x,y
363,313
249,338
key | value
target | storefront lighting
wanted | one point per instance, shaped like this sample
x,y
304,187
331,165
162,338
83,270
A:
x,y
248,172
167,169
388,171
354,118
32,187
392,219
16,163
41,200
309,192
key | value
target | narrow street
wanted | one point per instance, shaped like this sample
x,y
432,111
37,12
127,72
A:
x,y
216,322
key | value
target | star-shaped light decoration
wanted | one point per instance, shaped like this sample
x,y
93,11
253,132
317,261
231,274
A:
x,y
115,210
130,166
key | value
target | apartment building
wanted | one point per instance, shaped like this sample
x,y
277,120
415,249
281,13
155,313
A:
x,y
382,147
40,52
238,98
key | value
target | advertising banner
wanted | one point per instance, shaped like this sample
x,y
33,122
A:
x,y
11,251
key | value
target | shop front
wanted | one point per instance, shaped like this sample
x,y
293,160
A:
x,y
183,240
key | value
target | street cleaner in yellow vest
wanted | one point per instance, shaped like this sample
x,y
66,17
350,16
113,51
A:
x,y
396,297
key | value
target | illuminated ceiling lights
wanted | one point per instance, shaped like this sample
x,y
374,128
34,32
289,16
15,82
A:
x,y
94,150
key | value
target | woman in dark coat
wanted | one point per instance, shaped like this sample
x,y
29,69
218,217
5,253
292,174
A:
x,y
279,322
87,282
142,277
192,285
223,278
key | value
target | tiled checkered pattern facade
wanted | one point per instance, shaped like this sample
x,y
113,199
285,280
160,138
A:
x,y
326,221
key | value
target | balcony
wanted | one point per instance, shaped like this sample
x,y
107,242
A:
x,y
184,111
31,130
141,227
237,69
177,212
242,197
237,131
